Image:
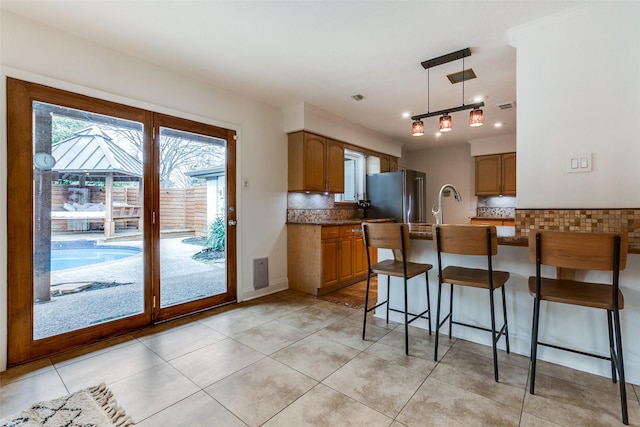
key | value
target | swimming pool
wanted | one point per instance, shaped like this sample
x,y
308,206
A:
x,y
73,254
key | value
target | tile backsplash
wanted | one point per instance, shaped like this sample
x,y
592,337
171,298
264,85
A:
x,y
598,220
496,207
302,207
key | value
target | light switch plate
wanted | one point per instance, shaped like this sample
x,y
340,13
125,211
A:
x,y
581,162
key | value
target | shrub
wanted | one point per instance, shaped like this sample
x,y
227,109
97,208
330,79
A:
x,y
217,235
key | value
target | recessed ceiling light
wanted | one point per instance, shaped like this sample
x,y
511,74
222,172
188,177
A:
x,y
497,125
406,114
438,134
478,98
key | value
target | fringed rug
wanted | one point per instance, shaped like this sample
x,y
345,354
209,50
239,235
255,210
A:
x,y
90,407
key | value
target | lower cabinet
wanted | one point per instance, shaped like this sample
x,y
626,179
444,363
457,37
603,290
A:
x,y
325,258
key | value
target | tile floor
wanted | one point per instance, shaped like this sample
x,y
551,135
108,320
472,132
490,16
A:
x,y
293,360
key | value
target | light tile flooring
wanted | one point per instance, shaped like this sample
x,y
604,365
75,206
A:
x,y
293,360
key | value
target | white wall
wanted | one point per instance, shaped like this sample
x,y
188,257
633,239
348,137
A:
x,y
493,145
448,165
36,53
314,119
578,90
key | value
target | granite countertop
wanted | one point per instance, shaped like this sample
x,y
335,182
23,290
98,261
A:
x,y
507,236
350,221
493,217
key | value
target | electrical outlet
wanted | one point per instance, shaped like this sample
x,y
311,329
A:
x,y
245,183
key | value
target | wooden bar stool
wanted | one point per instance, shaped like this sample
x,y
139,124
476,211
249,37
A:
x,y
394,236
583,251
472,240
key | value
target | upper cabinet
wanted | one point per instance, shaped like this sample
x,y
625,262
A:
x,y
316,163
388,163
496,175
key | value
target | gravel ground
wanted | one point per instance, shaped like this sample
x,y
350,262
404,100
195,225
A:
x,y
119,292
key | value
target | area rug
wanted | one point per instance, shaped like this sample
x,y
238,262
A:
x,y
93,406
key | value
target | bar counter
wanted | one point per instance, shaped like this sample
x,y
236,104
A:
x,y
568,326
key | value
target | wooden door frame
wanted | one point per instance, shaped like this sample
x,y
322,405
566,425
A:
x,y
20,294
172,122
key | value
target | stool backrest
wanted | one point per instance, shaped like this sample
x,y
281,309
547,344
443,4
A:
x,y
387,235
577,250
465,239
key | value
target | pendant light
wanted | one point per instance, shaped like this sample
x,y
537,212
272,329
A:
x,y
476,118
418,128
446,123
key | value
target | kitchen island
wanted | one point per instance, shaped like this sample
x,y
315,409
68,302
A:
x,y
569,326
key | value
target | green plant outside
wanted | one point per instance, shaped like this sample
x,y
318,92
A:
x,y
217,235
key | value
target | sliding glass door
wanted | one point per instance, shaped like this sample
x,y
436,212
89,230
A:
x,y
118,217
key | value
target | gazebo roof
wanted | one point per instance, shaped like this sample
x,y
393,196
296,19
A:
x,y
92,153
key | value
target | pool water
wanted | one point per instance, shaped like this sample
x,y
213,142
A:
x,y
64,258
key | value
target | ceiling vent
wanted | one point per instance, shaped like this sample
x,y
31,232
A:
x,y
461,76
506,105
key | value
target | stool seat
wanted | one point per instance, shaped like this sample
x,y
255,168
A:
x,y
595,295
475,277
396,268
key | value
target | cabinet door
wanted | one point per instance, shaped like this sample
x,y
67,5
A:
x,y
359,255
345,256
509,174
384,164
488,175
314,162
335,167
393,164
330,262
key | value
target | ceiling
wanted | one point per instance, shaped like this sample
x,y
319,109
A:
x,y
285,53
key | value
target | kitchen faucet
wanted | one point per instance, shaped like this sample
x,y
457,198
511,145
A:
x,y
438,213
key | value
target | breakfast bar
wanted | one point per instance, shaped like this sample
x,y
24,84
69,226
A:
x,y
570,326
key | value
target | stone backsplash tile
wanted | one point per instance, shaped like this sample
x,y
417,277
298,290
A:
x,y
302,207
492,212
598,220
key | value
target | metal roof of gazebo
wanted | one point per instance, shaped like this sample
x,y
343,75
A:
x,y
93,154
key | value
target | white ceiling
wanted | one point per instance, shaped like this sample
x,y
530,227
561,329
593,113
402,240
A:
x,y
285,53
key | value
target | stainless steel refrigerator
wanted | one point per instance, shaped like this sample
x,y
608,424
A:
x,y
400,195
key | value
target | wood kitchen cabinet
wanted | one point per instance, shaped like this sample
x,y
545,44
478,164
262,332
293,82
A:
x,y
316,163
388,163
496,175
322,259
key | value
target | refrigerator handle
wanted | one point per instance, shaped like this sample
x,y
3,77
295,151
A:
x,y
420,200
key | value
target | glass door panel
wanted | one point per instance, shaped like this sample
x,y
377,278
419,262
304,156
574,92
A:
x,y
193,203
87,219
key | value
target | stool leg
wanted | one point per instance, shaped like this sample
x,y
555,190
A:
x,y
450,308
611,346
406,319
493,335
534,343
366,306
620,364
426,279
388,296
435,351
506,324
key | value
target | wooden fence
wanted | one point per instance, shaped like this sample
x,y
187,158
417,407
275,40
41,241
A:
x,y
180,208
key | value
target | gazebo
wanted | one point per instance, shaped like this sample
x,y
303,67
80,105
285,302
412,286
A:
x,y
91,155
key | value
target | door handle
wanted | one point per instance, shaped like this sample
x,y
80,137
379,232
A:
x,y
232,222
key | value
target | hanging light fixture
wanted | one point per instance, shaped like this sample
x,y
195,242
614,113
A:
x,y
417,129
446,123
476,118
